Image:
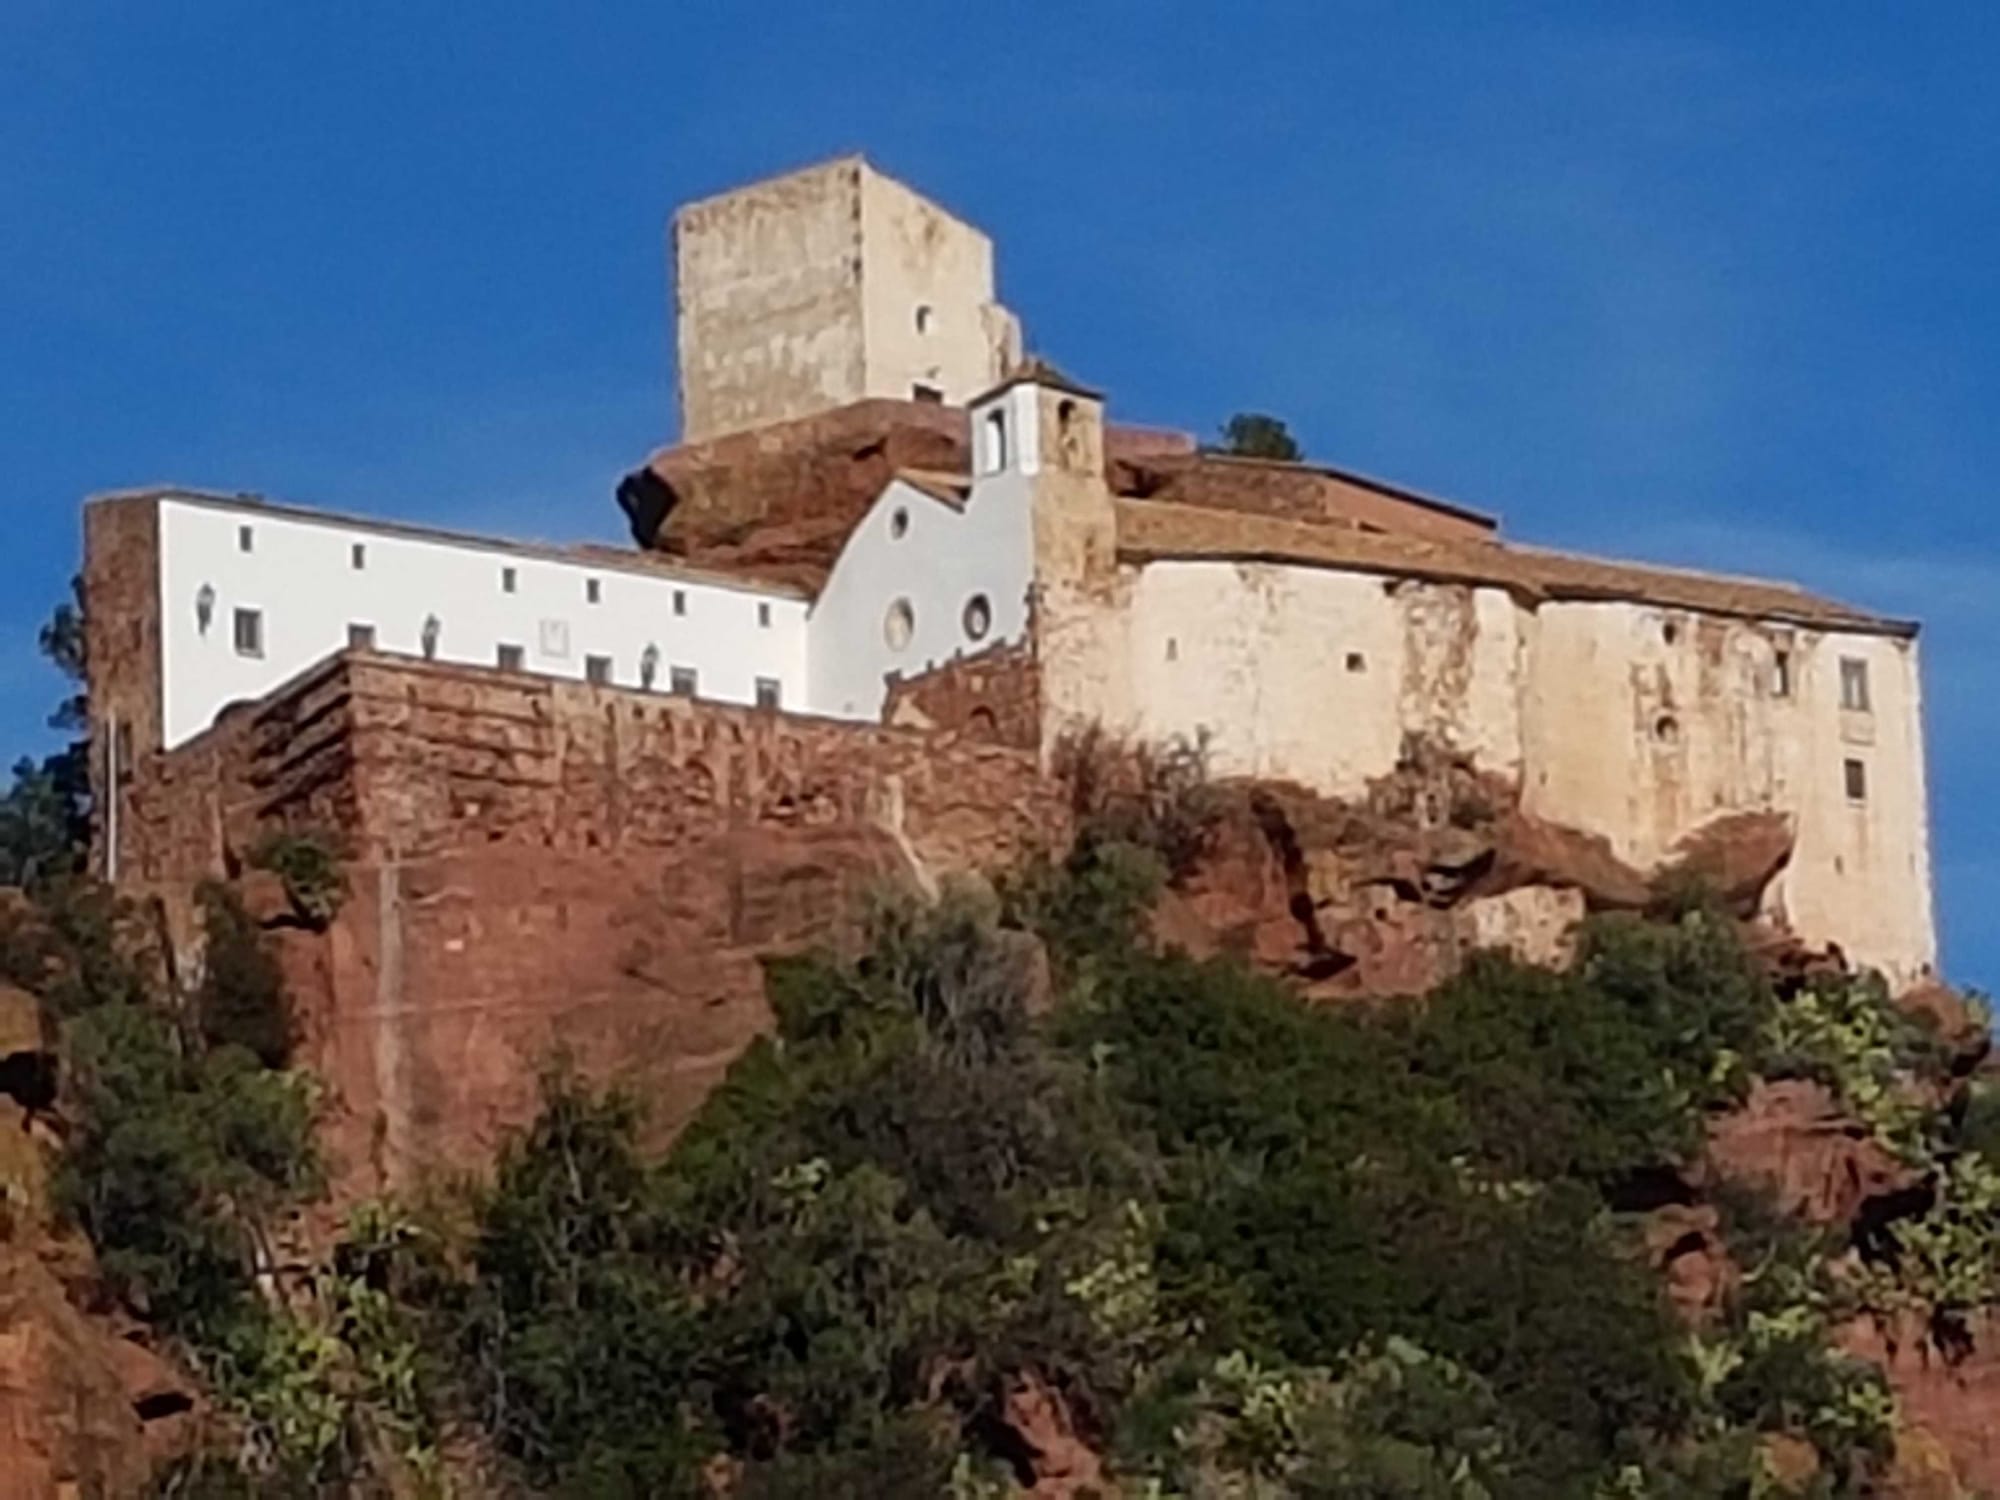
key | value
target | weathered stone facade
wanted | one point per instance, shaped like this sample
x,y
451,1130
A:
x,y
827,286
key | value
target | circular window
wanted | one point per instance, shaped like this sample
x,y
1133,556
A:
x,y
899,523
1666,729
978,617
899,625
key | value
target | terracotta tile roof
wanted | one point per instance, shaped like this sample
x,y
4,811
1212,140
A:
x,y
1041,372
1156,531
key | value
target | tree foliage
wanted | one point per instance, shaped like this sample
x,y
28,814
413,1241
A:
x,y
45,814
1251,434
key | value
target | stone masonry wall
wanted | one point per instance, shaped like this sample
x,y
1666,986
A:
x,y
122,635
993,697
538,866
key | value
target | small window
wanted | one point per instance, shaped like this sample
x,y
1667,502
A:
x,y
924,317
1356,662
249,632
680,601
361,637
597,669
246,539
593,591
1781,675
1854,684
124,752
1667,729
1173,649
683,682
511,658
1856,775
899,624
357,557
978,617
899,523
995,428
1670,632
552,639
768,691
509,580
928,395
764,615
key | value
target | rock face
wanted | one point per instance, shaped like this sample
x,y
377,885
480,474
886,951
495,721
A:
x,y
1388,896
1819,1164
83,1411
535,868
1064,1467
1950,1445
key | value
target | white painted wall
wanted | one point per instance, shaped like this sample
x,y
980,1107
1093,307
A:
x,y
1630,720
300,575
943,558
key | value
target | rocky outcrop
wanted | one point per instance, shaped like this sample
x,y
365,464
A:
x,y
1684,1244
1388,894
1062,1465
1950,1444
1735,857
1791,1137
84,1410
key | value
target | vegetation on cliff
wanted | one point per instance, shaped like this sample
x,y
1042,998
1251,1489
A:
x,y
1013,1198
1012,1195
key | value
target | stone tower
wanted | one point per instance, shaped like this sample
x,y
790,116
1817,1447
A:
x,y
826,286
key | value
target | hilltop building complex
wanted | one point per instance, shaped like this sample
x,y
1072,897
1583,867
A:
x,y
890,566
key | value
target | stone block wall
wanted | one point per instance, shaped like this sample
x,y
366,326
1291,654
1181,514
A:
x,y
993,697
539,867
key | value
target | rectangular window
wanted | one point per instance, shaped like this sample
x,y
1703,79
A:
x,y
249,632
508,580
246,539
361,637
511,658
764,615
357,557
1781,674
597,669
1857,780
1854,684
680,601
995,428
768,691
593,591
930,395
682,681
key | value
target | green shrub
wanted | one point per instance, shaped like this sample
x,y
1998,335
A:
x,y
178,1161
240,1000
308,862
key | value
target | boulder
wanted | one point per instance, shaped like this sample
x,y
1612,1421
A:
x,y
1684,1244
1959,1022
1736,856
1529,851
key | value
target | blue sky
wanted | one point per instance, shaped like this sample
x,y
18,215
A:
x,y
1711,284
